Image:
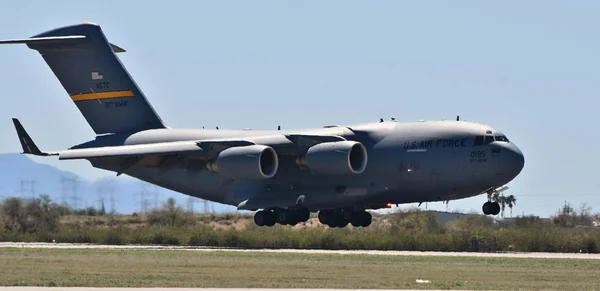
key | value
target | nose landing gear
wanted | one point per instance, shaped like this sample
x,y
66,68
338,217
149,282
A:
x,y
491,208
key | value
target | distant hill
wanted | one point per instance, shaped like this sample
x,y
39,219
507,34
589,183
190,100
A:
x,y
20,176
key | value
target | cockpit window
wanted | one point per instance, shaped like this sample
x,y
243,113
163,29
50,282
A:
x,y
501,138
489,139
478,140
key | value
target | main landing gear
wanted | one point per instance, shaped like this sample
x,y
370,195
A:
x,y
333,218
292,216
341,217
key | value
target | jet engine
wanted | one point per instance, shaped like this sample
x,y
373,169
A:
x,y
335,158
246,163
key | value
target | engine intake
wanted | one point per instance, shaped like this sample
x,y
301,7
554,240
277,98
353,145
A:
x,y
335,158
246,163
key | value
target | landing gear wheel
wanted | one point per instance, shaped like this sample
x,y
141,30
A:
x,y
495,208
367,218
303,214
260,218
357,219
487,208
283,217
270,215
340,221
325,216
361,218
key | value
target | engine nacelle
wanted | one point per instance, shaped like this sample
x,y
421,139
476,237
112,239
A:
x,y
246,163
335,158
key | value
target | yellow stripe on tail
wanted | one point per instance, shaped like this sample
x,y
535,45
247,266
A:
x,y
102,95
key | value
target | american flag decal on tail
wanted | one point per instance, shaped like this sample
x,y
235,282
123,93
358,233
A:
x,y
96,76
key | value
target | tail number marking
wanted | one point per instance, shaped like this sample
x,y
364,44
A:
x,y
478,157
114,104
103,85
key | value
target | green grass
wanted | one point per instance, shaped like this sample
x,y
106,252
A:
x,y
185,268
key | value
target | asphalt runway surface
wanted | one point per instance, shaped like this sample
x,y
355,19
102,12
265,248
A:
x,y
363,252
172,289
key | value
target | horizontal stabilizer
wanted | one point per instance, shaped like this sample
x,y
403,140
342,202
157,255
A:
x,y
116,49
27,143
44,40
56,40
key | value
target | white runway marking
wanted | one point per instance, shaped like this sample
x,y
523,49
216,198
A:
x,y
361,252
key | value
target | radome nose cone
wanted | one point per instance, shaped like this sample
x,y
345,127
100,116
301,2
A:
x,y
517,160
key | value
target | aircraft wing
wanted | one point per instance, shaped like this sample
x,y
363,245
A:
x,y
161,154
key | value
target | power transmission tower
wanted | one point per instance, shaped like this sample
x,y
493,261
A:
x,y
63,190
112,199
206,206
155,196
22,189
74,192
101,192
32,188
143,199
190,203
27,186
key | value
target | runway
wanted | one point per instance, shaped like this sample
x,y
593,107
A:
x,y
310,251
180,289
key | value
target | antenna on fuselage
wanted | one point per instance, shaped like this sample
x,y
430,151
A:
x,y
457,117
380,119
279,127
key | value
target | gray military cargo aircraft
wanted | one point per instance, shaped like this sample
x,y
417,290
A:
x,y
284,175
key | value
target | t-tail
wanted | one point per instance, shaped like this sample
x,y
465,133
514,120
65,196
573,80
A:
x,y
86,65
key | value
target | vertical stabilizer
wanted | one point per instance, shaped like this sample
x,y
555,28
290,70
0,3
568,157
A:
x,y
88,69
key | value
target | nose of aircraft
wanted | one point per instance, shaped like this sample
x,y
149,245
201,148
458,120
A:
x,y
514,159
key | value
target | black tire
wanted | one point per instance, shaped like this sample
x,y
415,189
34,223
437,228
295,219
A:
x,y
303,215
487,208
282,217
357,219
367,219
341,221
324,217
260,218
495,208
271,218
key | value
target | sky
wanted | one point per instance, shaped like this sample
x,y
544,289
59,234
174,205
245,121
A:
x,y
527,68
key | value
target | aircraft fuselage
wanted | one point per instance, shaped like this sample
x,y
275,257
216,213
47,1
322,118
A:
x,y
407,162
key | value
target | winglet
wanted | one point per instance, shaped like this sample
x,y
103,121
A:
x,y
27,143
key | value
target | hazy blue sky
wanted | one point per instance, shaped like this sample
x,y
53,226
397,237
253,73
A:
x,y
528,68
